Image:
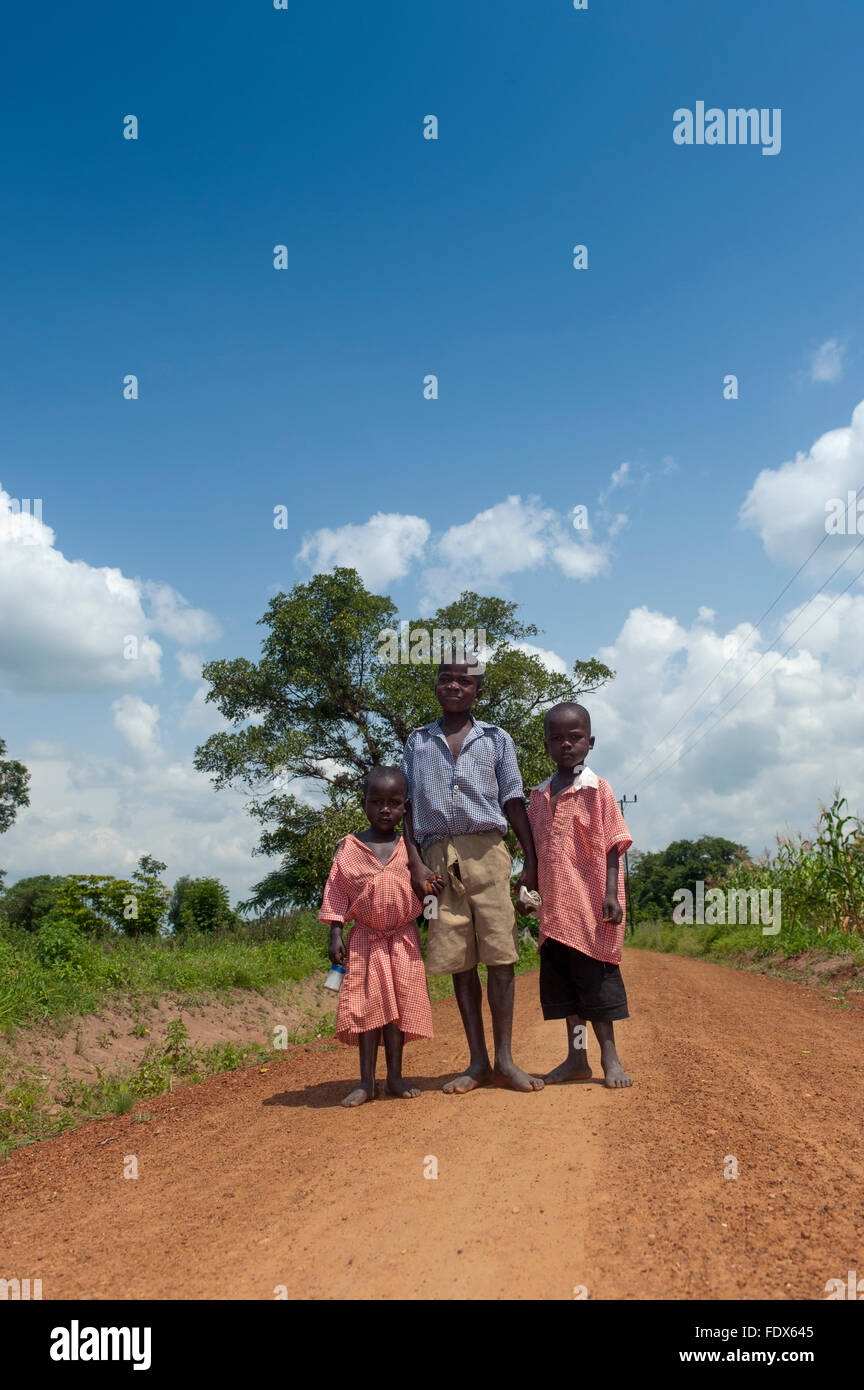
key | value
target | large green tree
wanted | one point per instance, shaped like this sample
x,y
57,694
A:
x,y
655,876
321,707
14,792
30,899
200,904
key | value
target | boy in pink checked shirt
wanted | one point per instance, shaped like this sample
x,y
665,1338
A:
x,y
580,835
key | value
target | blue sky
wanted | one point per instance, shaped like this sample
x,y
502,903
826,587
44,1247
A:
x,y
408,256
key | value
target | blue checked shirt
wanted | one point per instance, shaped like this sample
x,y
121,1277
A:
x,y
464,797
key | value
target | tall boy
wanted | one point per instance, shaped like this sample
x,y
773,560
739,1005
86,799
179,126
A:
x,y
580,836
463,787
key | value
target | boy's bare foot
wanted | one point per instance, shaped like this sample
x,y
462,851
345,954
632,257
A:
x,y
571,1070
359,1095
468,1081
508,1074
395,1086
615,1074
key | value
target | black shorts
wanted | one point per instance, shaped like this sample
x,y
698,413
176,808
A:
x,y
572,983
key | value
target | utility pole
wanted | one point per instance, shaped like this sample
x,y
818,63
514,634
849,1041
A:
x,y
624,801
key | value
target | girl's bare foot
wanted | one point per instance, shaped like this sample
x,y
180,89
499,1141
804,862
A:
x,y
508,1074
360,1094
395,1086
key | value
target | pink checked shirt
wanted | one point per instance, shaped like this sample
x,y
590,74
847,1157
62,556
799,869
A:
x,y
571,855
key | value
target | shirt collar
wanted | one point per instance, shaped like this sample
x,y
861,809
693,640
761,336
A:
x,y
586,778
435,726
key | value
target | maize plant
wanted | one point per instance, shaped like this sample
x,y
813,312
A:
x,y
821,879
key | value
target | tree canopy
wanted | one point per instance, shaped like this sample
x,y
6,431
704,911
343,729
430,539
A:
x,y
655,876
200,904
321,707
14,791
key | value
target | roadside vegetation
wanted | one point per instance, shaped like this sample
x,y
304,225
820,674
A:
x,y
54,969
820,879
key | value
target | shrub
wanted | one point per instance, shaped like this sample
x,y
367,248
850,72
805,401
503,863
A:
x,y
29,900
59,942
200,905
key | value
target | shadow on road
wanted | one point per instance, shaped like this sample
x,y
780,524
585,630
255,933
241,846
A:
x,y
326,1093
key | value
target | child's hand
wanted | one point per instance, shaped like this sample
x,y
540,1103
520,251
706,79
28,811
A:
x,y
336,949
528,877
612,910
425,883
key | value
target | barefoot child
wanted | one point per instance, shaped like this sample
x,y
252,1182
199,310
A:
x,y
580,835
385,984
464,786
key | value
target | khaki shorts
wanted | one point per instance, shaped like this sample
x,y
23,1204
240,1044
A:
x,y
475,911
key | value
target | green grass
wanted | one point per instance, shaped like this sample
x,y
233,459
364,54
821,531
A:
x,y
69,974
29,1108
746,944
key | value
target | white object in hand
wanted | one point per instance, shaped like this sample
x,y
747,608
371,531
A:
x,y
528,900
335,978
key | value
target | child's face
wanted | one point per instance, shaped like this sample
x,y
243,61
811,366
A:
x,y
384,802
455,690
568,739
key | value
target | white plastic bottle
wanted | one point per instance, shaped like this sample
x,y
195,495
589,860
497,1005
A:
x,y
335,978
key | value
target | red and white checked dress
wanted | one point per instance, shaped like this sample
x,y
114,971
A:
x,y
385,980
571,860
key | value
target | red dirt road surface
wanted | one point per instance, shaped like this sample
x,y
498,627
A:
x,y
253,1183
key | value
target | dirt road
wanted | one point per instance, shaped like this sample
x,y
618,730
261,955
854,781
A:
x,y
252,1181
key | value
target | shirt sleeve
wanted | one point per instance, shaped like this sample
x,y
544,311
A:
x,y
337,898
615,832
507,771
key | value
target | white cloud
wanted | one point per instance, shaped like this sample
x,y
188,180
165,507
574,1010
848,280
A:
x,y
786,506
826,361
793,737
137,722
100,814
203,717
174,615
580,559
190,665
551,660
382,549
508,538
620,478
65,625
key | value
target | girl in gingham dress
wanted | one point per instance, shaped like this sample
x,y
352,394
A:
x,y
384,988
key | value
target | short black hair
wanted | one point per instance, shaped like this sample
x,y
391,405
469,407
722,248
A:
x,y
379,773
568,706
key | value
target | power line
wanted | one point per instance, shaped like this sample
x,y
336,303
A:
x,y
762,657
720,719
739,650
